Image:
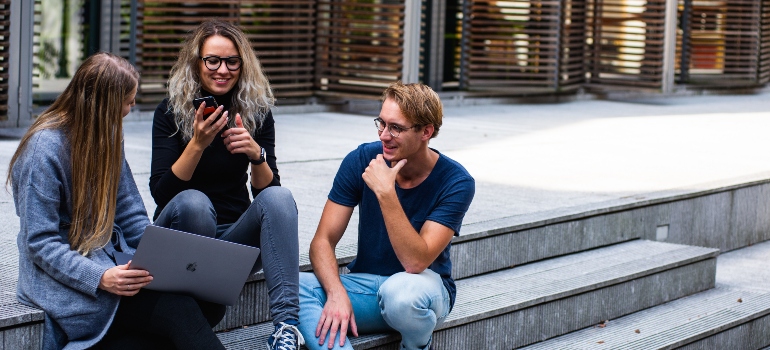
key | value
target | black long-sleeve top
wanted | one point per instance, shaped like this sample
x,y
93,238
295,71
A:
x,y
220,175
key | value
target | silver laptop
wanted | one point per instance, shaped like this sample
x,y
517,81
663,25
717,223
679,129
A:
x,y
206,268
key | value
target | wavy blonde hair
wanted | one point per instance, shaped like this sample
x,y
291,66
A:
x,y
89,111
253,96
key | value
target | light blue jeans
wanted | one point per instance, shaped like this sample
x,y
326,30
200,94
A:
x,y
269,223
411,304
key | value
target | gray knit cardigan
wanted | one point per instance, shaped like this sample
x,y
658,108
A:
x,y
52,276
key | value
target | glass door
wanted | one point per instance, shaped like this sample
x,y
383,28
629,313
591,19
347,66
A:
x,y
61,40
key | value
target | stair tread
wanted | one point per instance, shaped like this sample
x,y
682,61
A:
x,y
527,285
255,336
673,324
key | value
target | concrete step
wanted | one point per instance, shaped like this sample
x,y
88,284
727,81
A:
x,y
721,318
21,326
546,299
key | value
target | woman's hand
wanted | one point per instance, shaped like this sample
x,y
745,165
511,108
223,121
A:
x,y
204,131
239,140
121,281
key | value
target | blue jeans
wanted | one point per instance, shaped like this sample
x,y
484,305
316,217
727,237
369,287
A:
x,y
269,223
411,304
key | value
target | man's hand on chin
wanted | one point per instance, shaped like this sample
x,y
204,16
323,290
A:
x,y
380,177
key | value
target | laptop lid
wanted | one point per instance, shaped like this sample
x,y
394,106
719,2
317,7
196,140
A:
x,y
206,268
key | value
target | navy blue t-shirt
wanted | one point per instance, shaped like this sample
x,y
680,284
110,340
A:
x,y
443,197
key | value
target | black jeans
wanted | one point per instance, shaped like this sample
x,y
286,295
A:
x,y
158,320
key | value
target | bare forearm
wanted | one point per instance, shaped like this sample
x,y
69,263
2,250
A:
x,y
325,267
410,248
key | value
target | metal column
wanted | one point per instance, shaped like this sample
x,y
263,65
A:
x,y
435,22
411,56
669,47
109,40
20,65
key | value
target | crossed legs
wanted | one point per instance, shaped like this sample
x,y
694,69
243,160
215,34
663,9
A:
x,y
269,223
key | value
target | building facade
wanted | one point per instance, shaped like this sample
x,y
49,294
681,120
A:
x,y
316,50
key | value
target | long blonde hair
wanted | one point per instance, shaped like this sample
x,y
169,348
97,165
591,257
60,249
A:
x,y
253,96
89,112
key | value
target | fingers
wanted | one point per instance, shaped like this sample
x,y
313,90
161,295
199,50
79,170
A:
x,y
239,140
353,326
122,272
318,329
399,165
220,122
123,281
132,288
235,141
238,121
131,279
199,113
343,332
206,129
325,325
214,123
238,129
333,333
133,284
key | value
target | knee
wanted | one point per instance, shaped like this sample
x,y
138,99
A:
x,y
194,202
398,295
279,198
405,293
175,306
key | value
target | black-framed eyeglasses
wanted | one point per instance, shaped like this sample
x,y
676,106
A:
x,y
232,63
393,129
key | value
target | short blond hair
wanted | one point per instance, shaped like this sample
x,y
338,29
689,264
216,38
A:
x,y
418,103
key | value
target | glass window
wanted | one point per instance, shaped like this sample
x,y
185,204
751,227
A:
x,y
59,46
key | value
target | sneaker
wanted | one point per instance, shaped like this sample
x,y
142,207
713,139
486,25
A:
x,y
285,337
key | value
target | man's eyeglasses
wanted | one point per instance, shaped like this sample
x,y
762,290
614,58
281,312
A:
x,y
232,63
393,129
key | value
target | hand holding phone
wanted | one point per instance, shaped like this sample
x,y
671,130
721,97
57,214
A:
x,y
211,106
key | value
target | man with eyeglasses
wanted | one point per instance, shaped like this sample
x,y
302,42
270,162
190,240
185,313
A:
x,y
412,200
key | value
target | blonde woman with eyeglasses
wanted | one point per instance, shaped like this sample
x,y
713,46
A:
x,y
202,158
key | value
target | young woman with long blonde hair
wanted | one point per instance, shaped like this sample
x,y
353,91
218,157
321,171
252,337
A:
x,y
78,204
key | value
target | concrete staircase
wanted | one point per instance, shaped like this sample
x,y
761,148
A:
x,y
548,283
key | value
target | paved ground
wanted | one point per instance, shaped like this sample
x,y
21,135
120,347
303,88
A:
x,y
529,160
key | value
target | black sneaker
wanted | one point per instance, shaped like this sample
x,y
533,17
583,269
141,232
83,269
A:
x,y
285,337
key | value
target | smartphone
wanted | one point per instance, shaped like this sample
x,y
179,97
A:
x,y
211,105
